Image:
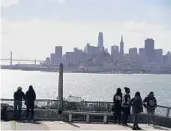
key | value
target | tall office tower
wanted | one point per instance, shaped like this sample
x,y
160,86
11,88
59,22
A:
x,y
149,49
133,52
158,56
142,54
122,47
100,41
58,51
114,50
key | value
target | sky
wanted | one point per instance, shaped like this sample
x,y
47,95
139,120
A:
x,y
32,28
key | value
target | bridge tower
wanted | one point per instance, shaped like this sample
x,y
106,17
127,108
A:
x,y
35,61
11,58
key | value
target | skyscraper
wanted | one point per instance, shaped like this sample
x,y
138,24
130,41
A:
x,y
100,41
114,50
122,47
149,49
58,51
133,52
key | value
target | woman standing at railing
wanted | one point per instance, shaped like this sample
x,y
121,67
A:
x,y
30,98
137,108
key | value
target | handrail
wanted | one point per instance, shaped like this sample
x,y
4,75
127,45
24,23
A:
x,y
45,100
87,106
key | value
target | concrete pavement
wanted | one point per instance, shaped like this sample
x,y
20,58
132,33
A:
x,y
59,125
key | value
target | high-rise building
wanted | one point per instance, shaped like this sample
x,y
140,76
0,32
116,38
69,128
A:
x,y
142,54
58,51
122,47
133,52
114,50
158,56
92,50
100,41
149,50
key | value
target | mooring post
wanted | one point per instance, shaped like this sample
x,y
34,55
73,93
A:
x,y
60,89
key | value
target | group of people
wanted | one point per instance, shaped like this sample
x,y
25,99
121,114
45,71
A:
x,y
123,103
29,98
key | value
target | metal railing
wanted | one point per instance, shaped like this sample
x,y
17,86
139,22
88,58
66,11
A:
x,y
96,106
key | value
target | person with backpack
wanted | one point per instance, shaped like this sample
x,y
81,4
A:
x,y
29,101
117,100
126,106
150,103
137,108
18,97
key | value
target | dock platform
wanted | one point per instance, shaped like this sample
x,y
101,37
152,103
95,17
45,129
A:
x,y
60,125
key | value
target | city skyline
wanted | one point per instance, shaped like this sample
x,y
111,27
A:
x,y
114,46
49,23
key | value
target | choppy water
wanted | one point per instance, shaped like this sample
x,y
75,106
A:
x,y
100,87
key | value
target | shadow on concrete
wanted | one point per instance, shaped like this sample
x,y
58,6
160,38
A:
x,y
30,122
160,128
72,124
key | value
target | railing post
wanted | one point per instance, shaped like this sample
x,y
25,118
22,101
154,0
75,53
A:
x,y
168,110
70,117
105,119
87,118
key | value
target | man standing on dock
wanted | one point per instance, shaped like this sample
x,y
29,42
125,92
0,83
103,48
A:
x,y
117,100
18,97
126,106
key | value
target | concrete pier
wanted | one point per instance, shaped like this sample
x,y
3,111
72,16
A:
x,y
59,125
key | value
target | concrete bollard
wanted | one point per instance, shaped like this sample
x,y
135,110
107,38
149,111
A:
x,y
70,117
87,118
105,119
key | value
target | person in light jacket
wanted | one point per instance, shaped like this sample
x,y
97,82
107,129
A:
x,y
150,103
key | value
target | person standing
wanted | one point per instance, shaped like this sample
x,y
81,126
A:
x,y
117,100
137,108
18,97
30,99
150,103
126,106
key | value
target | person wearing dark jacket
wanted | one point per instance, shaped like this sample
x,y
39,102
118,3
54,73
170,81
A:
x,y
18,97
150,103
29,101
117,100
126,106
137,108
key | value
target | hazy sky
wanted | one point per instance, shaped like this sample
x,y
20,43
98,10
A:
x,y
32,28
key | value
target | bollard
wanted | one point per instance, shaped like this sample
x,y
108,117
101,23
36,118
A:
x,y
105,119
87,118
70,117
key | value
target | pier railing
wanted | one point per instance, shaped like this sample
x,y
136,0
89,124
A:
x,y
96,106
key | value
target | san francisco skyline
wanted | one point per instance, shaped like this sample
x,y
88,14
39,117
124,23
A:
x,y
42,25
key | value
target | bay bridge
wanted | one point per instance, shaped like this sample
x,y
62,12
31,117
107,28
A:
x,y
11,60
